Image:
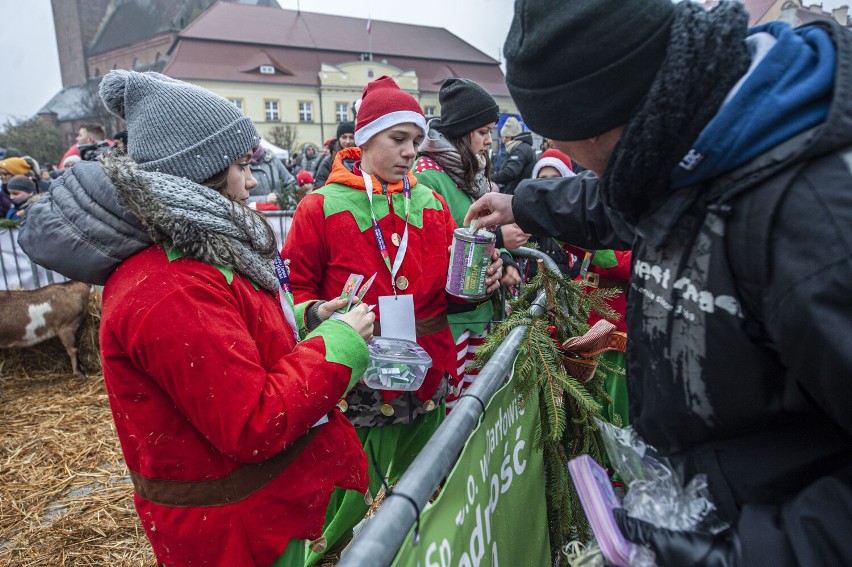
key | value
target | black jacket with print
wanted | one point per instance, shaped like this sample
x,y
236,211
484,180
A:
x,y
739,324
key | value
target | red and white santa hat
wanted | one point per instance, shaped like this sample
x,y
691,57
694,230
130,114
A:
x,y
384,104
555,159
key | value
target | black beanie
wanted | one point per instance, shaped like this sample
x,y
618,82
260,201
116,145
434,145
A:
x,y
345,128
578,69
21,183
465,106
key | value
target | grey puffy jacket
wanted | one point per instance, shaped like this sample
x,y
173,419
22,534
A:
x,y
79,228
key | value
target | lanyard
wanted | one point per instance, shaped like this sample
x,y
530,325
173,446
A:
x,y
584,267
377,231
285,294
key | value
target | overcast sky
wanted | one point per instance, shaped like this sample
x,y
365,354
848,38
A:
x,y
29,64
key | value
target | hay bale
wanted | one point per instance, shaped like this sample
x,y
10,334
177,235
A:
x,y
66,498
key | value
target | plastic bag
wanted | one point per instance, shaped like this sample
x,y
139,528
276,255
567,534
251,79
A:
x,y
656,492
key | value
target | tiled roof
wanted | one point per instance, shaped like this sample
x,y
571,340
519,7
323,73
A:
x,y
757,9
235,23
215,61
133,20
69,103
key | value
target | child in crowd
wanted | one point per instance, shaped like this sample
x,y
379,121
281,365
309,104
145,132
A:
x,y
304,182
374,217
227,425
21,189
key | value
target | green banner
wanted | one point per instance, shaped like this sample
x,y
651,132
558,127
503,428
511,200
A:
x,y
491,510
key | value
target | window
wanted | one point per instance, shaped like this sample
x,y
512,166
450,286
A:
x,y
306,111
341,111
267,70
238,102
271,108
429,112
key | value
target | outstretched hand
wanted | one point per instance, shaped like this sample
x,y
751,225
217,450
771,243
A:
x,y
490,210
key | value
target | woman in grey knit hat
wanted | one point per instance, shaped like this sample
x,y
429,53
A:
x,y
224,418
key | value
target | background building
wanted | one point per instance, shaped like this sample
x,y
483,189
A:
x,y
794,12
297,74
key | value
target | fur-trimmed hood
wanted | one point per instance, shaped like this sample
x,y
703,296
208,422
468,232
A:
x,y
98,214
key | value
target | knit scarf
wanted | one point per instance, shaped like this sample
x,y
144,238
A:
x,y
707,55
437,147
196,220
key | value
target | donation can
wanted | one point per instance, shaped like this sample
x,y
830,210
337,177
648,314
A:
x,y
470,257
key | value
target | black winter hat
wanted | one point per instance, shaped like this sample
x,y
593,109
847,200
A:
x,y
345,128
21,183
578,69
465,106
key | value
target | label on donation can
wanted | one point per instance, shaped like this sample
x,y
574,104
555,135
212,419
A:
x,y
470,257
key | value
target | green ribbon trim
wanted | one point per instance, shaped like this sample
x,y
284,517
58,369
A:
x,y
343,346
173,254
340,198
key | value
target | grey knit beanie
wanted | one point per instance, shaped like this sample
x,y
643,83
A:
x,y
175,127
465,106
578,69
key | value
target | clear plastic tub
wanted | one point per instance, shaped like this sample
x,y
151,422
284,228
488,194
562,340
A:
x,y
396,364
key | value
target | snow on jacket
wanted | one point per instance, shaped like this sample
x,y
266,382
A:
x,y
332,236
739,363
205,383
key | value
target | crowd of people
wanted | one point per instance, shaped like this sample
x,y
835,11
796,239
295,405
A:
x,y
699,167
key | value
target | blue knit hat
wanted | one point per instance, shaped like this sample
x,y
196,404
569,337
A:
x,y
175,127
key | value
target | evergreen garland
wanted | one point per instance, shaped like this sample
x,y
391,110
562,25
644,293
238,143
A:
x,y
568,407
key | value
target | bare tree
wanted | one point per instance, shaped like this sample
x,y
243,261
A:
x,y
41,140
92,109
284,135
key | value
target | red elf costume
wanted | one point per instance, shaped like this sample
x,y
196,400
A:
x,y
333,235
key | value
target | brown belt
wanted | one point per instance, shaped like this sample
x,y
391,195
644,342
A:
x,y
423,327
600,282
241,483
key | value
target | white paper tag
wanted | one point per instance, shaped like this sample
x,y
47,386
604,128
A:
x,y
397,317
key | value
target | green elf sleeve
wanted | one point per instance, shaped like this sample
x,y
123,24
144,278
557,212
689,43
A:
x,y
604,259
343,345
301,312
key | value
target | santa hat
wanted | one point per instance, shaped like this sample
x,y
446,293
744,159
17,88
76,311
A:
x,y
383,105
304,177
555,159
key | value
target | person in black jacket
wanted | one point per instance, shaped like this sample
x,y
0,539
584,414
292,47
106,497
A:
x,y
722,157
520,156
345,139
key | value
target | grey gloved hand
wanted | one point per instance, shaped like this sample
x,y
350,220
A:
x,y
681,548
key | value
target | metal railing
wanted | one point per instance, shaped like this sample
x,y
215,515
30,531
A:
x,y
382,536
19,272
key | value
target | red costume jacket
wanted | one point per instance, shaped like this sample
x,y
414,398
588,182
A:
x,y
204,377
332,236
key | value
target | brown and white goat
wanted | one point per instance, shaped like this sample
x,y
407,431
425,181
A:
x,y
30,316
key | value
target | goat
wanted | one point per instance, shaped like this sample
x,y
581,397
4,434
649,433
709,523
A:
x,y
28,317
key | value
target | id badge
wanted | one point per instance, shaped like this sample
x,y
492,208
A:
x,y
397,317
